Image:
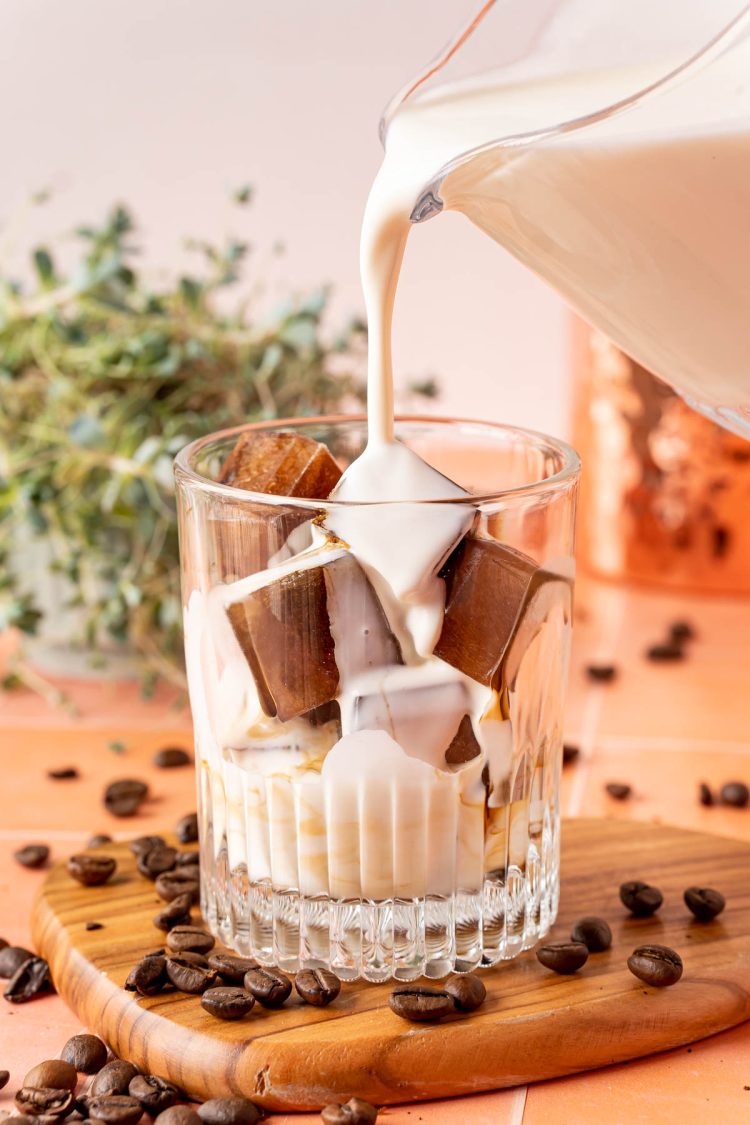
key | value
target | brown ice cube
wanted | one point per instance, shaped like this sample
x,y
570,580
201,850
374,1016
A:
x,y
244,537
486,586
464,746
301,631
281,463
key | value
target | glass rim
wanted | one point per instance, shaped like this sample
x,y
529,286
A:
x,y
565,476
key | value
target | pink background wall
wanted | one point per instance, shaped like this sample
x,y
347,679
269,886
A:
x,y
169,104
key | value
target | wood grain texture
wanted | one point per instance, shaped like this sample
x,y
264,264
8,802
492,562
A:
x,y
533,1025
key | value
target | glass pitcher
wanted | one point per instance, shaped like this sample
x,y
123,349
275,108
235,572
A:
x,y
607,146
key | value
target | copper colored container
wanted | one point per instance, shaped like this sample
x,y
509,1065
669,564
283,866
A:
x,y
665,494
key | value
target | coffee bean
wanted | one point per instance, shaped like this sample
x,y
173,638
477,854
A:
x,y
89,926
11,959
178,1115
188,859
86,1053
354,1112
114,1078
420,1004
640,899
142,844
227,1003
115,1109
188,977
148,977
735,793
187,829
171,757
594,933
37,1101
705,796
563,956
681,631
230,968
91,870
704,902
156,861
98,840
54,1074
33,855
601,673
31,981
191,939
269,987
181,881
318,987
188,958
619,790
3,943
570,754
176,913
124,797
468,991
665,653
4,1078
229,1111
656,965
67,773
153,1093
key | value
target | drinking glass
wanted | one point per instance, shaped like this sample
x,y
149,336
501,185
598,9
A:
x,y
435,848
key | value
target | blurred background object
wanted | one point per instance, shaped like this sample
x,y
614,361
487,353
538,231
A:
x,y
665,492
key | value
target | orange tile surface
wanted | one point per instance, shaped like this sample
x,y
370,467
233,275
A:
x,y
663,729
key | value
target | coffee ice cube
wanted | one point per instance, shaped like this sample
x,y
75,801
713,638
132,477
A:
x,y
305,625
487,584
281,463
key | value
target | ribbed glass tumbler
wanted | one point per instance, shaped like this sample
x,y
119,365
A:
x,y
369,804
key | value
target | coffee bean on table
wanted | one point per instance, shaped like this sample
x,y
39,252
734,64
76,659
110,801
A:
x,y
11,959
176,913
705,796
467,989
681,631
229,1111
704,902
124,797
187,829
31,981
570,754
420,1003
640,898
178,1115
190,939
735,793
619,790
142,844
114,1078
189,977
318,987
227,1002
55,1074
115,1109
156,861
172,757
67,773
354,1112
563,956
98,840
594,933
601,673
4,1078
148,977
37,1101
187,859
656,965
92,870
89,926
153,1092
33,855
269,987
665,653
181,881
230,968
86,1053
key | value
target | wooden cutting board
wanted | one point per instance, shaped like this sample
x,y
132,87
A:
x,y
533,1025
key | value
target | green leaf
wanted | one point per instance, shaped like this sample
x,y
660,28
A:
x,y
243,195
43,265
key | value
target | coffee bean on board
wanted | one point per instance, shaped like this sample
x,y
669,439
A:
x,y
468,991
656,965
187,829
594,933
190,939
189,977
420,1003
704,902
156,861
317,986
148,977
91,870
230,968
665,653
142,844
176,913
226,1002
269,987
563,956
735,793
619,790
229,1111
181,881
640,898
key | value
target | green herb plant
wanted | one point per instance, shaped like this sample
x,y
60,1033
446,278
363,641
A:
x,y
103,378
